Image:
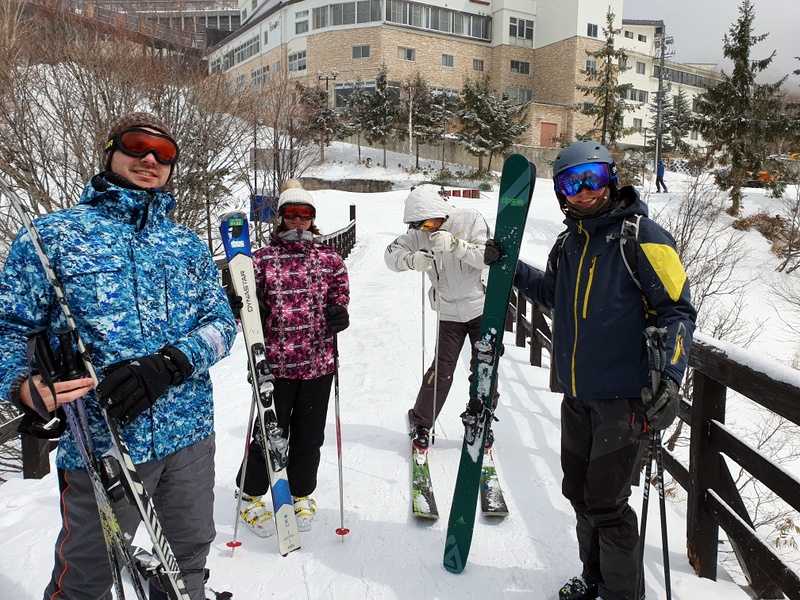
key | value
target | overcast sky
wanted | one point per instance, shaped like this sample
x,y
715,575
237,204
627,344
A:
x,y
698,27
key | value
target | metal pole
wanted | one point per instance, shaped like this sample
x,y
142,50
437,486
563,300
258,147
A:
x,y
660,98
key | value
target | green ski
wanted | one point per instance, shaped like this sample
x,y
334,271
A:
x,y
516,189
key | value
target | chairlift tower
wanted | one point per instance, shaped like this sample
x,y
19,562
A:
x,y
663,46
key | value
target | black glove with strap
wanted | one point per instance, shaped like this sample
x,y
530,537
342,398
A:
x,y
234,300
336,318
662,409
492,252
132,386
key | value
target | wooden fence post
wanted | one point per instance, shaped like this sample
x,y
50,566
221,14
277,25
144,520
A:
x,y
702,530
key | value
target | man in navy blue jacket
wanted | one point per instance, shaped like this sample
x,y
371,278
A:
x,y
600,357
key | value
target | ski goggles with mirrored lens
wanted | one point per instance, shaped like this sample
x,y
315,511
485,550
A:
x,y
139,142
306,213
593,176
424,225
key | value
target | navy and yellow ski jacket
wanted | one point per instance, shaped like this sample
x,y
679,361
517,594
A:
x,y
600,313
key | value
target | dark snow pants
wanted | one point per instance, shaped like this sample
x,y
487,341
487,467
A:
x,y
302,408
451,339
182,489
601,446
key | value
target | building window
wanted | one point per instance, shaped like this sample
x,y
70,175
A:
x,y
591,66
409,54
640,68
693,135
443,20
447,60
591,30
297,61
300,14
622,62
637,124
642,38
629,34
636,95
240,83
519,95
477,65
266,39
520,32
259,77
520,67
301,27
361,52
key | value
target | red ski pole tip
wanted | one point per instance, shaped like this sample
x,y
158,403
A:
x,y
233,544
342,531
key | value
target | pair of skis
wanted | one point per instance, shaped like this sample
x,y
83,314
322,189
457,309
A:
x,y
423,501
476,470
236,241
114,475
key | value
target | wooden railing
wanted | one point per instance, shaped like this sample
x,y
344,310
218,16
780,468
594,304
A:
x,y
713,499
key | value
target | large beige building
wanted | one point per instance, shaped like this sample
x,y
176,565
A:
x,y
533,50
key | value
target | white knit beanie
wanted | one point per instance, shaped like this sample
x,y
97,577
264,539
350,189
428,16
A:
x,y
293,193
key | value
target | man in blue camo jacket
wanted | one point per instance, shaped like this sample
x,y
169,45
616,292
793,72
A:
x,y
145,295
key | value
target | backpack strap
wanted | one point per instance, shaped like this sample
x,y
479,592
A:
x,y
629,245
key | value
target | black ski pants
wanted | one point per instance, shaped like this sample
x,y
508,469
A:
x,y
601,446
302,409
451,339
181,486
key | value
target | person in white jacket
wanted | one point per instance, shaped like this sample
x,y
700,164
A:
x,y
448,244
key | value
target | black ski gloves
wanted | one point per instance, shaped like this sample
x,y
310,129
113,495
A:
x,y
234,300
132,386
661,410
336,318
492,252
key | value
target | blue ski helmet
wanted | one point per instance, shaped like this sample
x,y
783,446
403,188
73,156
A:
x,y
580,153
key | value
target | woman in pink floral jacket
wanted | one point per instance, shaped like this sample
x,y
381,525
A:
x,y
303,293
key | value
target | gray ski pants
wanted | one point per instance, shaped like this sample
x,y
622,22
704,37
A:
x,y
181,486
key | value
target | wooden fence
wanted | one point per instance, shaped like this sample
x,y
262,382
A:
x,y
713,500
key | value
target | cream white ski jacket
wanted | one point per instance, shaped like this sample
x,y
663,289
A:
x,y
460,282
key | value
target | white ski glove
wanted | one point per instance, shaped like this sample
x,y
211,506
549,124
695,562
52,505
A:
x,y
421,260
443,241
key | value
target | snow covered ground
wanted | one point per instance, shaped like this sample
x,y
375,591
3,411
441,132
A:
x,y
387,555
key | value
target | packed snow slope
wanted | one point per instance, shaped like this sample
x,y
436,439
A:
x,y
387,554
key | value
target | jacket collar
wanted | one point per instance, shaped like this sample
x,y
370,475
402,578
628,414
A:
x,y
133,205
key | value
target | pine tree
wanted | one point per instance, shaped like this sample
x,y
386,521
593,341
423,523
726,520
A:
x,y
428,115
488,126
381,113
609,104
676,123
320,120
738,116
354,116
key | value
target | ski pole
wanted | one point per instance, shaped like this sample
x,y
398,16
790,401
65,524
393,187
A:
x,y
657,357
423,324
234,543
342,530
436,355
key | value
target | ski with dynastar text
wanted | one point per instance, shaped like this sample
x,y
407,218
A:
x,y
236,240
516,188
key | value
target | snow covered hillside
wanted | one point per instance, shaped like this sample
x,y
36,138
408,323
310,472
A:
x,y
387,555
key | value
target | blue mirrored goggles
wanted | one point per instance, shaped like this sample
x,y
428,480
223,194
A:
x,y
593,176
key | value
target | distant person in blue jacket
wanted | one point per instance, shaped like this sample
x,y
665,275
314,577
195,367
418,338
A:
x,y
146,299
600,357
660,177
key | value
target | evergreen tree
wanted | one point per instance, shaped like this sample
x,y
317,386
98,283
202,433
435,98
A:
x,y
354,116
320,121
738,116
381,112
429,116
603,86
677,122
488,126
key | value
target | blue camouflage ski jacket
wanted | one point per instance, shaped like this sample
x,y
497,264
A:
x,y
599,313
135,282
